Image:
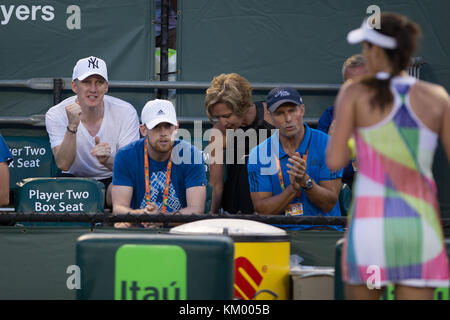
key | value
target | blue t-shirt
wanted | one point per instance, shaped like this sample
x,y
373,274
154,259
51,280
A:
x,y
5,154
324,125
325,120
263,179
188,170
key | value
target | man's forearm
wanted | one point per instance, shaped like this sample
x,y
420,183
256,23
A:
x,y
4,185
275,204
192,210
110,162
66,151
322,197
126,209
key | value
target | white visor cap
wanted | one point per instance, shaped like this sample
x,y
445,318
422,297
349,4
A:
x,y
369,34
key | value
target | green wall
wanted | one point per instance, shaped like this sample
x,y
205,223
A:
x,y
46,42
292,41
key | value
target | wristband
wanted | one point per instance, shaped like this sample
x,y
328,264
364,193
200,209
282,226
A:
x,y
71,131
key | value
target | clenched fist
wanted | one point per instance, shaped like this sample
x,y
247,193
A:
x,y
73,112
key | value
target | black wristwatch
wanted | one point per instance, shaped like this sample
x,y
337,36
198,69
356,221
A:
x,y
308,184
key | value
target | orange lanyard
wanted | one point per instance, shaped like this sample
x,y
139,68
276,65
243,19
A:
x,y
147,180
280,173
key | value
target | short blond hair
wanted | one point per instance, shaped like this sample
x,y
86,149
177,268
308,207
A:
x,y
357,60
233,90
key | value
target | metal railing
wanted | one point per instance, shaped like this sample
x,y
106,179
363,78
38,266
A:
x,y
57,85
49,84
38,120
35,120
65,83
111,217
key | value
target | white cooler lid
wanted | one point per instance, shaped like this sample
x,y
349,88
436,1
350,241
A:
x,y
231,227
308,271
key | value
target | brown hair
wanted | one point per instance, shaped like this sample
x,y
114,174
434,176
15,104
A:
x,y
406,33
231,89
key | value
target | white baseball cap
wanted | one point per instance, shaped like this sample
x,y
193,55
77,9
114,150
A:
x,y
89,66
157,111
369,34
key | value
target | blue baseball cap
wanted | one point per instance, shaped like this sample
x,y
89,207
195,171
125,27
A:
x,y
281,95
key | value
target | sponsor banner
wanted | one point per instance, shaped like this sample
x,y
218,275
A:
x,y
262,270
150,272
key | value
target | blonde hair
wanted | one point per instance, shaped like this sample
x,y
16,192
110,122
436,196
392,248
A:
x,y
233,90
354,61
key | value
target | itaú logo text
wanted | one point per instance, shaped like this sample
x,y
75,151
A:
x,y
247,280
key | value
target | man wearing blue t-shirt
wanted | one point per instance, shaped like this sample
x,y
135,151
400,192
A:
x,y
287,172
158,174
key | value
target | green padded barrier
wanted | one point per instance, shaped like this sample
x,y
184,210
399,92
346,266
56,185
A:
x,y
155,267
345,198
33,157
35,260
339,290
388,294
441,173
60,195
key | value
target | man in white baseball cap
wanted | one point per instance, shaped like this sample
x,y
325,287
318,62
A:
x,y
89,66
157,111
148,174
87,129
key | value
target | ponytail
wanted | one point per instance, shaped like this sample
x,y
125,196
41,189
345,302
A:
x,y
382,95
406,33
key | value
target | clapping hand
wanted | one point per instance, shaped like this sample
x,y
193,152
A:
x,y
297,170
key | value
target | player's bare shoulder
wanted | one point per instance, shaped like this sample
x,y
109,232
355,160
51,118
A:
x,y
352,91
432,95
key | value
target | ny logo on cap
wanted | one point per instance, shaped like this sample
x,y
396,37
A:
x,y
94,63
160,113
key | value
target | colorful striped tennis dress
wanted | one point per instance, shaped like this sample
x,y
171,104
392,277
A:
x,y
395,221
